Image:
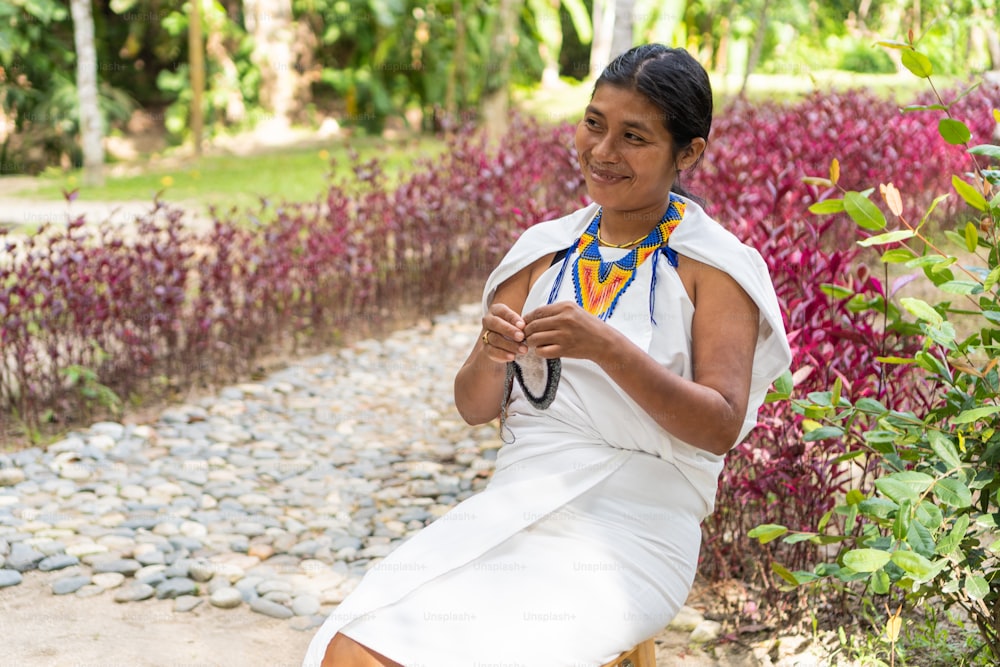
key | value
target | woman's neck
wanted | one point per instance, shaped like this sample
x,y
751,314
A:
x,y
623,227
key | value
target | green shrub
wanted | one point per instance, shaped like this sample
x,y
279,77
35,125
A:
x,y
925,531
863,59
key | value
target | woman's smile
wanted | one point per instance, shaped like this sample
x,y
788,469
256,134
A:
x,y
606,176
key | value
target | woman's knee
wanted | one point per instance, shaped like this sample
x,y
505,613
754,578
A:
x,y
342,651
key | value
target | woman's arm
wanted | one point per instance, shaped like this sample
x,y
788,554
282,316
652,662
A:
x,y
479,383
707,412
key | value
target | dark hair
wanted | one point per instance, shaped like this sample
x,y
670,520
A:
x,y
674,82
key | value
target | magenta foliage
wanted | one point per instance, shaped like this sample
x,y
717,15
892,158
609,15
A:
x,y
162,305
753,181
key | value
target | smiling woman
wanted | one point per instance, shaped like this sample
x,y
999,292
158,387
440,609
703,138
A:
x,y
652,335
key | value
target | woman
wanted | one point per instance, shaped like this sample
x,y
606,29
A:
x,y
626,348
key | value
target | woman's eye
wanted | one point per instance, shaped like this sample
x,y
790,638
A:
x,y
590,122
633,137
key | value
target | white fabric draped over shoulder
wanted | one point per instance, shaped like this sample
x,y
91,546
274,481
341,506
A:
x,y
705,240
586,540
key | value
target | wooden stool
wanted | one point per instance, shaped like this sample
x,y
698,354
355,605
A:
x,y
643,655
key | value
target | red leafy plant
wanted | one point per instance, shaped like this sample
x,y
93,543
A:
x,y
89,313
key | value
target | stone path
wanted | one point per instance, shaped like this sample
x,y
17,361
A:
x,y
270,499
277,495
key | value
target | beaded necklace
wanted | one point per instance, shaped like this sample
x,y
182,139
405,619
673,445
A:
x,y
598,284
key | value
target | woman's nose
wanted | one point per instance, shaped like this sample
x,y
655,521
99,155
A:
x,y
606,149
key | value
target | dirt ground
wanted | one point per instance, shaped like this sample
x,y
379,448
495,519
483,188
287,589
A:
x,y
38,629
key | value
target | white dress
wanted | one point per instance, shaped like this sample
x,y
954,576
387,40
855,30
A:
x,y
586,540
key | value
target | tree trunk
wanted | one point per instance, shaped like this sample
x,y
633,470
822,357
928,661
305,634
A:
x,y
758,46
196,70
270,23
495,104
989,27
549,28
455,89
91,133
624,28
600,47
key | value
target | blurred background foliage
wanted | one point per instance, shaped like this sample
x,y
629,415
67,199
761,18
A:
x,y
373,64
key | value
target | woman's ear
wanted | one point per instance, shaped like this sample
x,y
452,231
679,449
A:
x,y
689,156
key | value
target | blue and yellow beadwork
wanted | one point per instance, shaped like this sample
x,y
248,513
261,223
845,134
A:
x,y
599,284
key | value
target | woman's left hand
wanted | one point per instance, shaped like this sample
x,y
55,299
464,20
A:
x,y
564,329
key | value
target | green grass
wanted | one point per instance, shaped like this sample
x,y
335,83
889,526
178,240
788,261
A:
x,y
293,174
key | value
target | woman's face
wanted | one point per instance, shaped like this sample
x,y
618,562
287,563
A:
x,y
626,154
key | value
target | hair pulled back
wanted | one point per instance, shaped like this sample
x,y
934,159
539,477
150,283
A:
x,y
673,81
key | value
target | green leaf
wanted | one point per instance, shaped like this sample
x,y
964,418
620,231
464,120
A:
x,y
895,360
897,255
895,44
953,492
954,131
854,496
913,564
836,291
905,485
880,582
877,507
955,237
945,449
888,237
921,310
895,490
785,384
767,532
988,150
901,524
975,414
961,287
939,267
930,209
827,206
784,573
929,514
951,541
920,539
976,587
924,107
866,214
850,455
925,261
992,279
917,63
836,391
971,195
823,433
870,406
866,560
971,237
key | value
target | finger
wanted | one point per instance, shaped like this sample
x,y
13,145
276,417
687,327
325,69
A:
x,y
508,314
500,348
540,313
504,324
543,339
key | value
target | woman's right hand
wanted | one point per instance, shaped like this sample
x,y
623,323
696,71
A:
x,y
503,333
